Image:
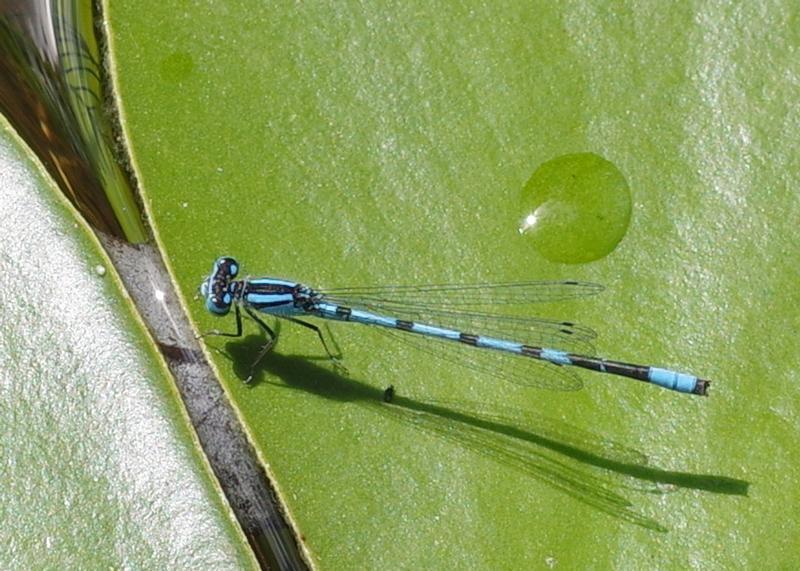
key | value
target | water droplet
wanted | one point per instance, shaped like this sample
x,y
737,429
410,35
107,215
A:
x,y
575,208
100,270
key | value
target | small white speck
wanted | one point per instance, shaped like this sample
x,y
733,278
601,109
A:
x,y
159,295
665,487
389,144
184,204
48,542
100,270
220,169
550,562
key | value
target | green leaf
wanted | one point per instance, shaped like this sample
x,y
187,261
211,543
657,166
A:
x,y
348,144
99,466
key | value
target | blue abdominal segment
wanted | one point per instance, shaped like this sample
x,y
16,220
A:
x,y
673,380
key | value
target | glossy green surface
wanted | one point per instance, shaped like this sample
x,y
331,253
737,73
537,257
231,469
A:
x,y
99,468
348,144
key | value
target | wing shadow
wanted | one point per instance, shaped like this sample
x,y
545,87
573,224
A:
x,y
591,468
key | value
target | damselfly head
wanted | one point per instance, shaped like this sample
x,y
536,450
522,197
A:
x,y
216,288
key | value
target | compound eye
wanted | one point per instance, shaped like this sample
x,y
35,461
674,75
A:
x,y
228,266
219,306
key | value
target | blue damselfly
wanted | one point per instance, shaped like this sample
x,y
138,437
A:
x,y
448,314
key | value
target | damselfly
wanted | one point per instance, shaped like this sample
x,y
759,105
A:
x,y
445,320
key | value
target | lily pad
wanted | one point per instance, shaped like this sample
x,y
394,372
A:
x,y
99,466
351,144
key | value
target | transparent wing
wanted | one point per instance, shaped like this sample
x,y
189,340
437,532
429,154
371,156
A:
x,y
467,295
464,308
506,366
462,313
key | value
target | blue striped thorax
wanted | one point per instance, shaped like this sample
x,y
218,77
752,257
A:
x,y
219,290
278,297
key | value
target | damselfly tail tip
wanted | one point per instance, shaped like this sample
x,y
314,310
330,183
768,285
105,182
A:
x,y
701,388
